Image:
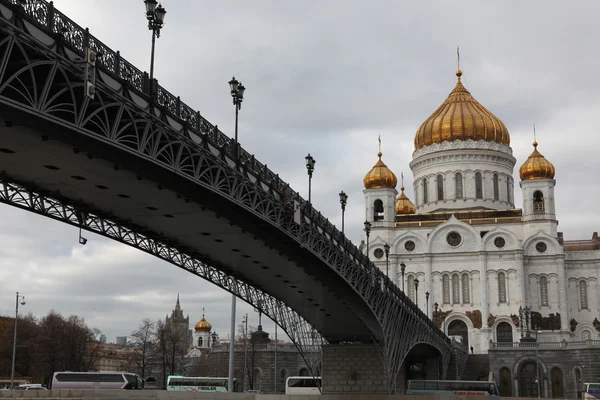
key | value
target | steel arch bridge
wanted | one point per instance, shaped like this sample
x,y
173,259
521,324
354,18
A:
x,y
134,135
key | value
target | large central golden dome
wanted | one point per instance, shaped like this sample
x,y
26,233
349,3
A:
x,y
461,117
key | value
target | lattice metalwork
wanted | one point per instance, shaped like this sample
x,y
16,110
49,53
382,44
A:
x,y
46,80
20,196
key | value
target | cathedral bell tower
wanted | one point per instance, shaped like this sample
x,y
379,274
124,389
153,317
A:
x,y
380,194
537,184
202,333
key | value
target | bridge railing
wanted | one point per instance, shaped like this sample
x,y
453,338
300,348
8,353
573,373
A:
x,y
43,14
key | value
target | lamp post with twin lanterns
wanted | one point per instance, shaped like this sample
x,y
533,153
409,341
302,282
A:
x,y
310,167
156,18
343,201
14,349
237,94
368,232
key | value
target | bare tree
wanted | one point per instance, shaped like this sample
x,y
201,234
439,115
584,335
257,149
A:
x,y
142,342
245,335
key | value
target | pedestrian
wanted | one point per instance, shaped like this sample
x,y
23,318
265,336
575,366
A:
x,y
472,352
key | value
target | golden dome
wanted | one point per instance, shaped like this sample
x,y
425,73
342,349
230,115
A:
x,y
403,204
380,176
203,325
461,117
536,166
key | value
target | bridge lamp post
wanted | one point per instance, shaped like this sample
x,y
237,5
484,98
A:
x,y
537,364
156,18
427,303
343,201
416,292
310,167
14,349
402,270
237,93
386,249
368,232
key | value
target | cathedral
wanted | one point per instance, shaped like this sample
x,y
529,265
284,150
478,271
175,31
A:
x,y
483,269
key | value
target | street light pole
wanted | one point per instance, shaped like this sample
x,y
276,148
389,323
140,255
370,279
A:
x,y
343,200
427,303
237,94
310,167
14,349
537,364
416,292
402,269
245,321
156,17
386,248
368,232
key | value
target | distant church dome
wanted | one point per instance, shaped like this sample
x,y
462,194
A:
x,y
536,166
380,176
203,325
461,117
403,204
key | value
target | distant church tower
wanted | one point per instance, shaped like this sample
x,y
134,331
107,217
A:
x,y
202,333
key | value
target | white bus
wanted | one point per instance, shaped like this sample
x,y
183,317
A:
x,y
96,381
303,385
591,391
452,388
197,384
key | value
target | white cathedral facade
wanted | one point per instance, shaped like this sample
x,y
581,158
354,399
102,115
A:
x,y
472,259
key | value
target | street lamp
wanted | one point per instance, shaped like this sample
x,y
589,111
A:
x,y
537,364
310,167
402,269
237,93
12,369
386,248
427,303
343,200
416,292
368,232
156,17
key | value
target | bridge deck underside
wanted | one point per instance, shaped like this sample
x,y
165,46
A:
x,y
163,204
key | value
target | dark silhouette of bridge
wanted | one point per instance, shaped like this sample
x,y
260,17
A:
x,y
132,162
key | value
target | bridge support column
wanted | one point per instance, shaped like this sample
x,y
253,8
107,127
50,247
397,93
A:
x,y
352,368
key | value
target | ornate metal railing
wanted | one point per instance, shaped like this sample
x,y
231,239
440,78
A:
x,y
47,18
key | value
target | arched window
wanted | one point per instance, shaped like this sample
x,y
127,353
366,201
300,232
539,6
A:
x,y
458,185
455,290
586,335
425,197
378,210
284,375
501,287
478,186
303,372
508,191
583,301
538,202
544,291
410,281
496,189
446,289
465,289
256,379
440,187
199,342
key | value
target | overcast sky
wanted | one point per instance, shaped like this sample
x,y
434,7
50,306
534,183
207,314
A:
x,y
326,78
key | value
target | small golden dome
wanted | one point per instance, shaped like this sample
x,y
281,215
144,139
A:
x,y
203,325
403,204
380,176
461,117
536,166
